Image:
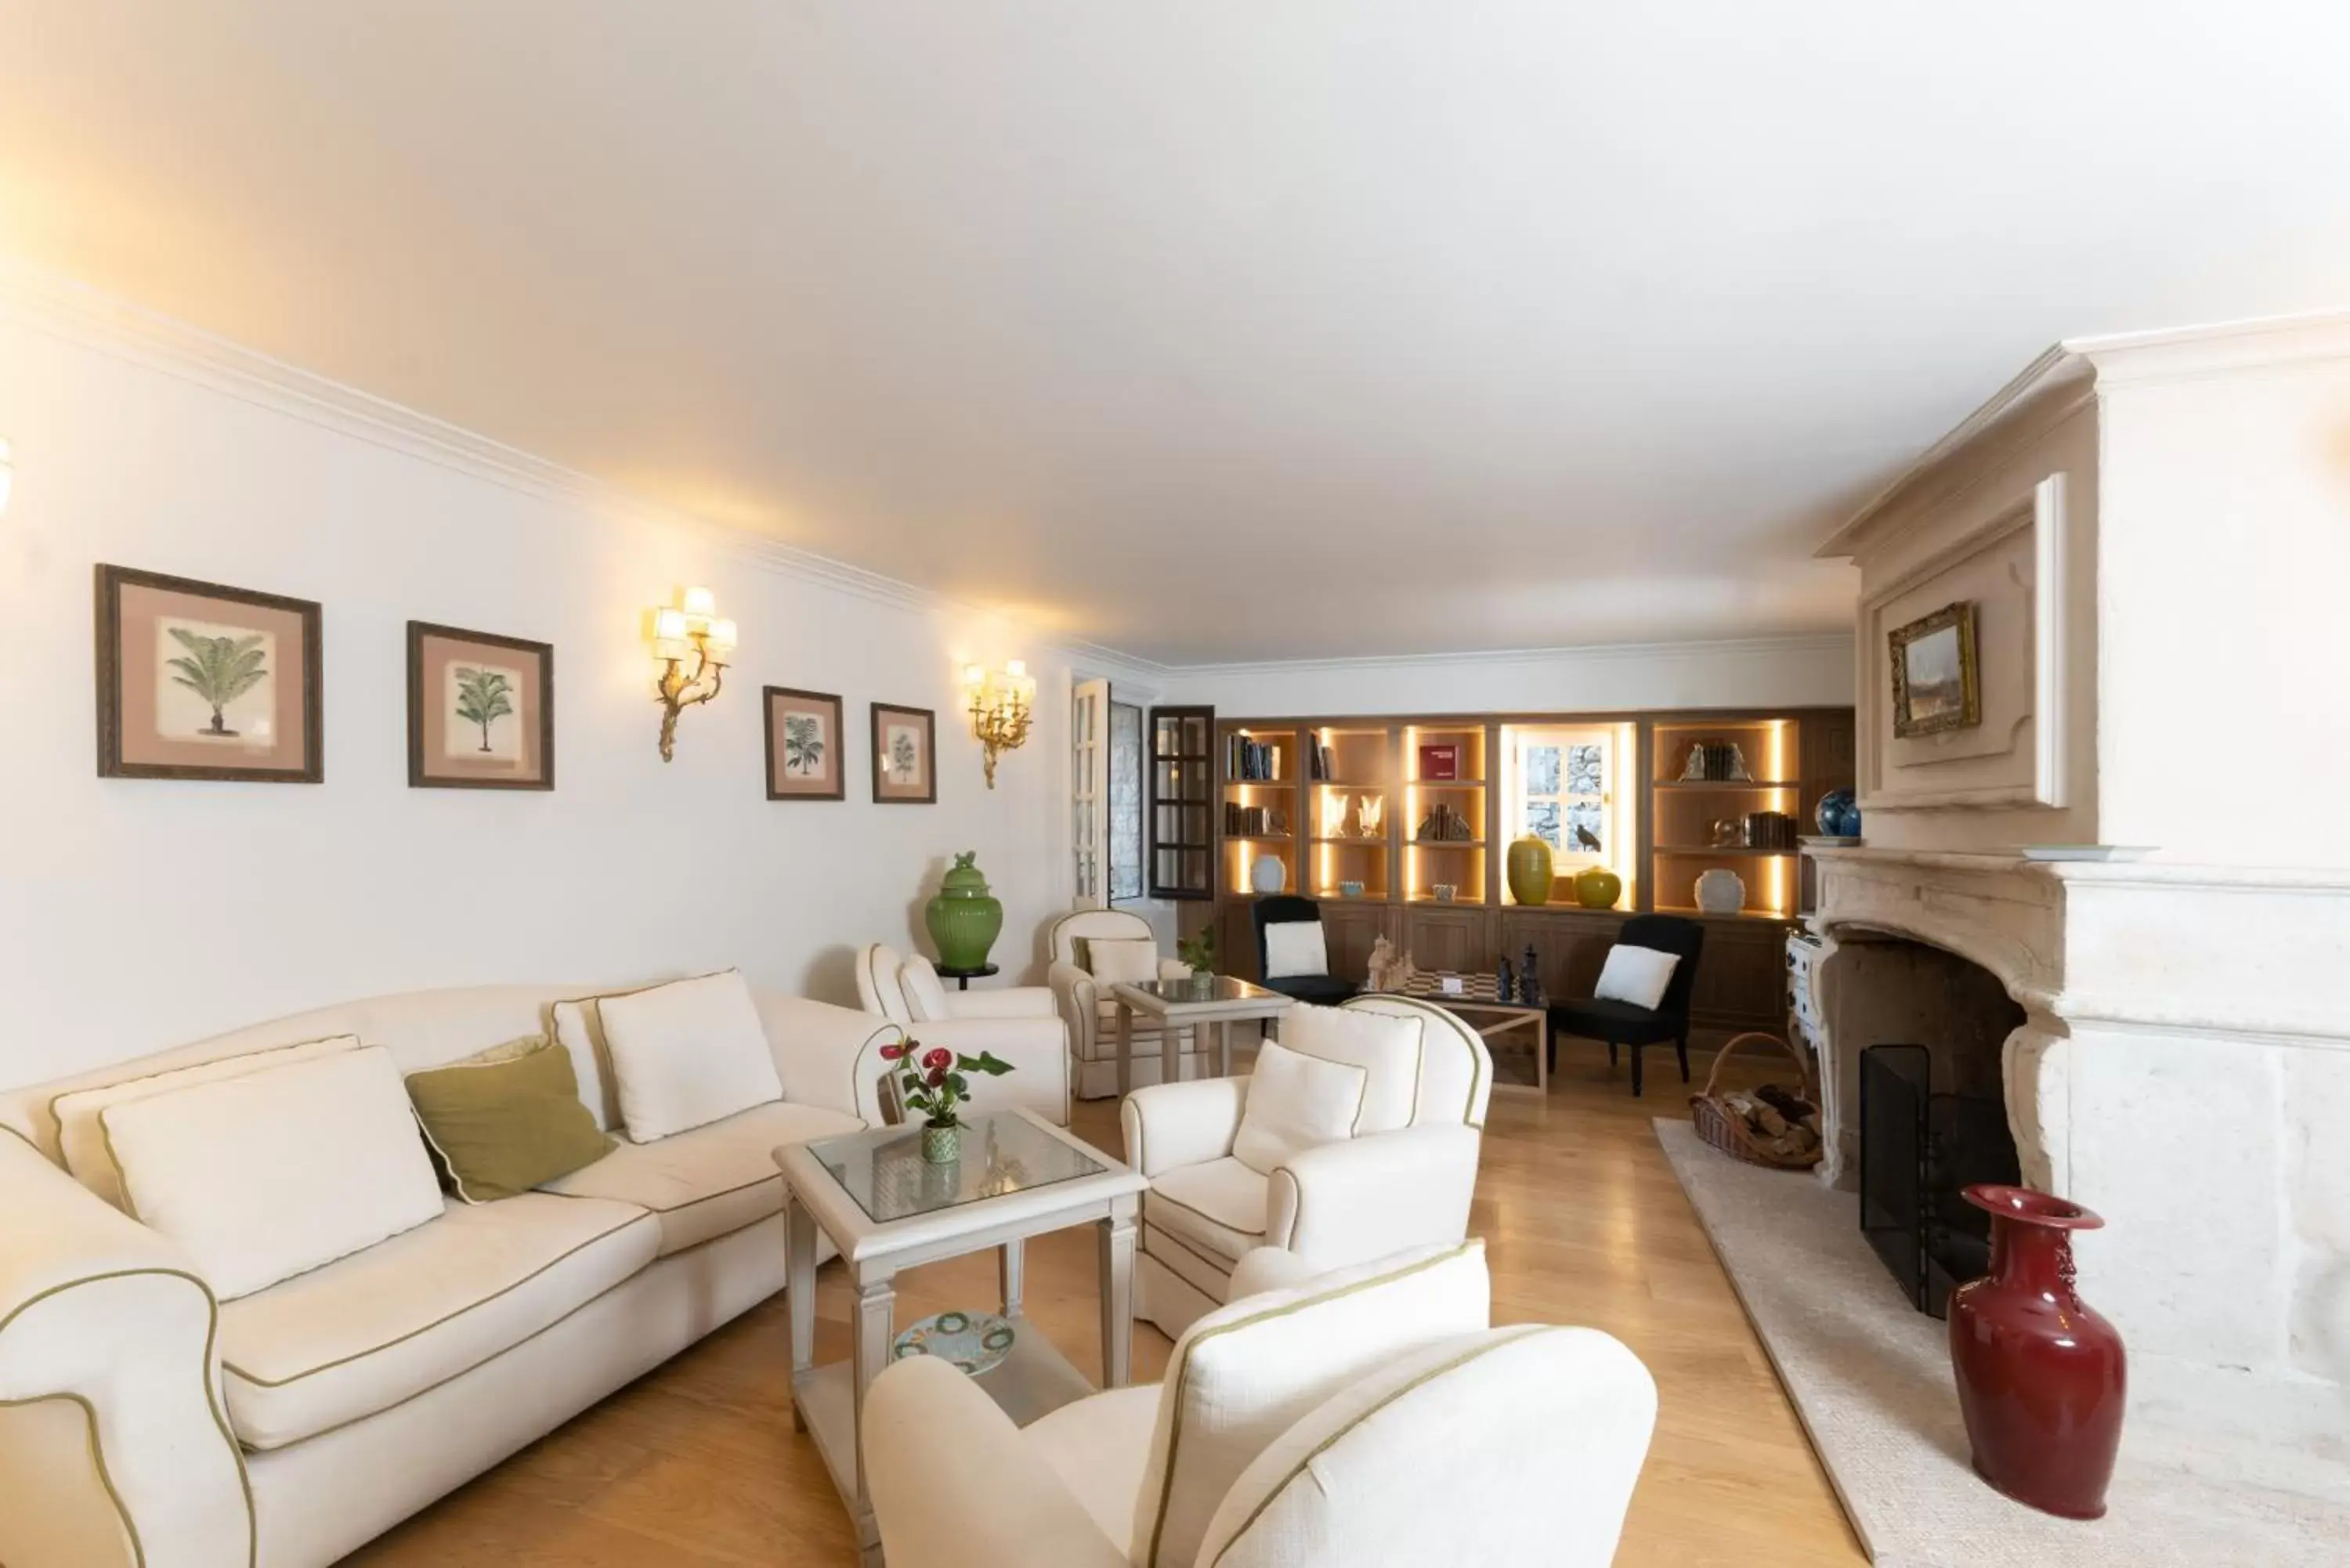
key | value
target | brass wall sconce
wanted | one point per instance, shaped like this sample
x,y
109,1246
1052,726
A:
x,y
1002,702
690,632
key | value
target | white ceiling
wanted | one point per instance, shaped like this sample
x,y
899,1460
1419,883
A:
x,y
1213,330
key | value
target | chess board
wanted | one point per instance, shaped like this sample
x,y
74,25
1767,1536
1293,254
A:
x,y
1482,988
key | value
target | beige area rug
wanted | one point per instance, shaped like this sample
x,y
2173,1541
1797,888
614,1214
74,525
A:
x,y
1871,1379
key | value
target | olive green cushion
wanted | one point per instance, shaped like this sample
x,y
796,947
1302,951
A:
x,y
504,1121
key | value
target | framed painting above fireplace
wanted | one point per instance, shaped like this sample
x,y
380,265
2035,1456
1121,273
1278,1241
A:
x,y
1937,684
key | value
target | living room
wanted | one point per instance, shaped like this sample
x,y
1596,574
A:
x,y
1305,760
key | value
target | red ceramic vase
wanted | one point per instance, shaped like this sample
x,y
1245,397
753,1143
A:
x,y
2041,1376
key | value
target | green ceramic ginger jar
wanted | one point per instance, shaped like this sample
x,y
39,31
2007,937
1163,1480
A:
x,y
965,918
1597,888
1530,870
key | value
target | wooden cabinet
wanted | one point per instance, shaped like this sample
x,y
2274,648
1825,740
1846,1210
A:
x,y
1441,936
1350,928
1740,977
1570,945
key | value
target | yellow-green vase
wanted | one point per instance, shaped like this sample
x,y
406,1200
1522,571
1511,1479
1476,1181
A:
x,y
1530,870
1597,888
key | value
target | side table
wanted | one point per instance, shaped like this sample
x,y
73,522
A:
x,y
887,1210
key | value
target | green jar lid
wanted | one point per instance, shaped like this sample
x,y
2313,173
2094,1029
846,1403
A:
x,y
966,880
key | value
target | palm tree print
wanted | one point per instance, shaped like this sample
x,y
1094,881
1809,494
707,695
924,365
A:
x,y
803,744
483,695
219,669
902,757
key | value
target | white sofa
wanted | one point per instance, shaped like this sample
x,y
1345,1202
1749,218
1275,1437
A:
x,y
144,1422
1333,1205
1367,1418
1090,1013
1019,1023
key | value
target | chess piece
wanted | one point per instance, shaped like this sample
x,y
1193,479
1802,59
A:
x,y
1502,989
1530,990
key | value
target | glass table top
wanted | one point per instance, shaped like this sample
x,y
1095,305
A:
x,y
1002,1154
1207,988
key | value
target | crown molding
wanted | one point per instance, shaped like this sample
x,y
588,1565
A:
x,y
2189,353
1838,642
2075,371
93,319
2044,393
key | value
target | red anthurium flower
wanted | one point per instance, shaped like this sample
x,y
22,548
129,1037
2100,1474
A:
x,y
891,1052
938,1077
938,1057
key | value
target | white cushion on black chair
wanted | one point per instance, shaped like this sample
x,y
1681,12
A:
x,y
1294,948
1637,975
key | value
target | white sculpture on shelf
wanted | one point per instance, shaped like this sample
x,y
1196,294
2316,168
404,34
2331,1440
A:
x,y
1268,875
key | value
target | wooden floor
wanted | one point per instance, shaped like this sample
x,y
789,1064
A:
x,y
697,1464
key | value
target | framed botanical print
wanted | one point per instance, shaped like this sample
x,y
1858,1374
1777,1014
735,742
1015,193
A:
x,y
481,710
803,761
905,771
200,682
1936,683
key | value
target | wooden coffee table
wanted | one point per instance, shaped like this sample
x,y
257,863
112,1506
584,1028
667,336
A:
x,y
887,1210
1184,1007
1479,1004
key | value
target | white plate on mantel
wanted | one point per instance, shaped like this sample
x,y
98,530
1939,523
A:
x,y
2085,851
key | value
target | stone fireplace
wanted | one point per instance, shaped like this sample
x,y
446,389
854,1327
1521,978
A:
x,y
2120,901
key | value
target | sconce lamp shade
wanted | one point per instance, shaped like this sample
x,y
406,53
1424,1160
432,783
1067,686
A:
x,y
698,601
721,636
669,626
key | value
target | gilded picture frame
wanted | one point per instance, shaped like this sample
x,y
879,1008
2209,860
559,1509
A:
x,y
1936,681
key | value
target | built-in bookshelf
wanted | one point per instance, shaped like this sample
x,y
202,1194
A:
x,y
1726,793
1376,817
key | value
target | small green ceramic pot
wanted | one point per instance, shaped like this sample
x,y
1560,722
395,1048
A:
x,y
942,1145
1597,888
964,920
1530,870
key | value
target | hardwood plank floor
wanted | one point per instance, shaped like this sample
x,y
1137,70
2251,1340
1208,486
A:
x,y
697,1464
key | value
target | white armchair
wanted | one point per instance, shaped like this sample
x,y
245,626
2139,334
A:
x,y
1081,979
1359,1419
1019,1023
1334,1204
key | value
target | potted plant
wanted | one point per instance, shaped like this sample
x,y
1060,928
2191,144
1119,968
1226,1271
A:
x,y
1199,951
934,1083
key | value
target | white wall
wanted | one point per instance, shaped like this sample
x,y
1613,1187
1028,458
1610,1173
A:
x,y
1766,673
137,914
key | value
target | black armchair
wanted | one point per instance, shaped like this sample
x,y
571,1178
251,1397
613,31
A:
x,y
1621,1024
1285,909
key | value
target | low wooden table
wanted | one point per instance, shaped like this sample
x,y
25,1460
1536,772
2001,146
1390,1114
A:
x,y
1183,1007
887,1210
1479,997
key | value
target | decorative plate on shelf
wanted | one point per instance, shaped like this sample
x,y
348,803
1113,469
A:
x,y
1830,840
971,1342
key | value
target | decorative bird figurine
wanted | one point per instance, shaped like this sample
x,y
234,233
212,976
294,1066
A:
x,y
1586,839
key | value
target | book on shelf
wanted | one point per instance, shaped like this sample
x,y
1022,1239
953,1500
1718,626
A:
x,y
1251,762
1318,763
1254,821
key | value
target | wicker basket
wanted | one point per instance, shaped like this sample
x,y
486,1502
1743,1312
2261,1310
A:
x,y
1717,1124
